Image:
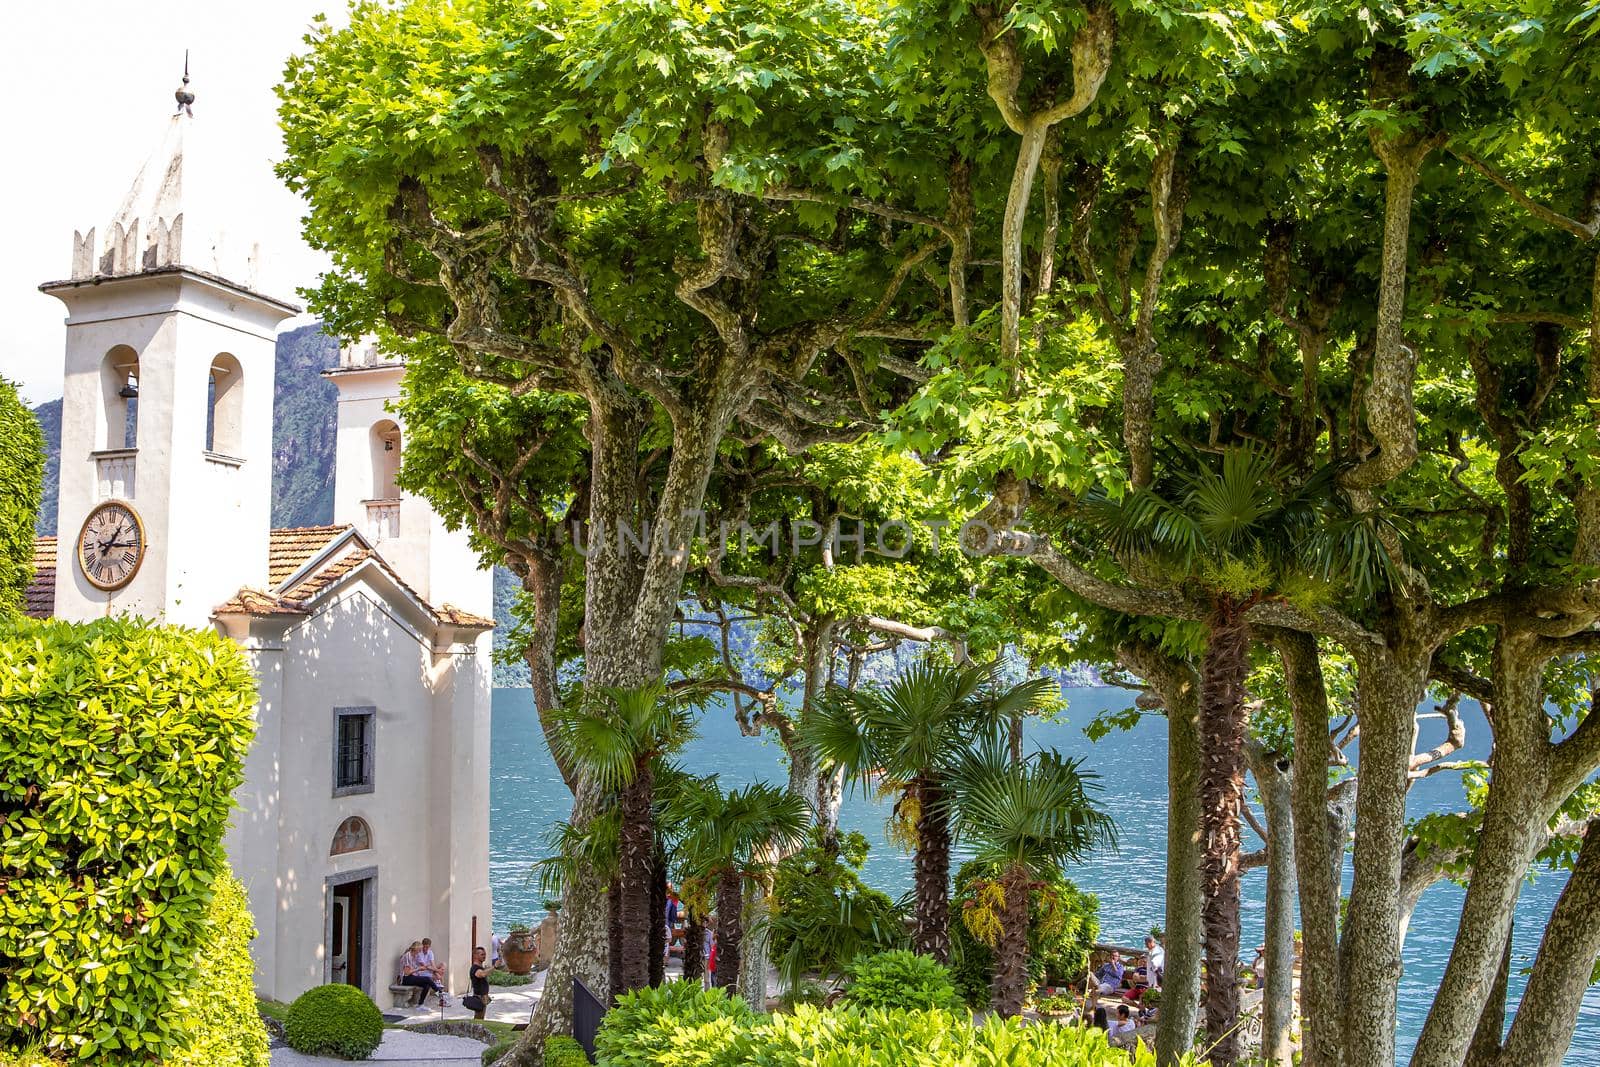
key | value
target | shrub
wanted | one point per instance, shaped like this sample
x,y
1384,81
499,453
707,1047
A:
x,y
21,490
824,915
121,743
506,978
560,1051
227,1030
860,1037
334,1020
1063,924
900,979
674,1025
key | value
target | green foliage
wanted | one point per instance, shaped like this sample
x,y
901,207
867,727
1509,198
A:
x,y
506,978
617,735
334,1020
21,492
1064,923
707,1035
1037,814
823,914
731,832
673,1025
226,1028
900,979
561,1051
121,744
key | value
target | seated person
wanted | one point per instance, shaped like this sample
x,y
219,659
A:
x,y
1109,976
1123,1023
414,973
479,973
1100,1019
429,964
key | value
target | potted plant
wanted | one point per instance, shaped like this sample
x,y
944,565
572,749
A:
x,y
518,949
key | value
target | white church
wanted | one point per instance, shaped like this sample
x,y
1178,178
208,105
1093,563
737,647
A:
x,y
363,821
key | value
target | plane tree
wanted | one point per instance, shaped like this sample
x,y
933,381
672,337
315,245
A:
x,y
572,211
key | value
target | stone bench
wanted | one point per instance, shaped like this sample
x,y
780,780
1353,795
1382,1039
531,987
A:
x,y
406,996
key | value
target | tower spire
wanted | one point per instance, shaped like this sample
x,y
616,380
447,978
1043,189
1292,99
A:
x,y
184,97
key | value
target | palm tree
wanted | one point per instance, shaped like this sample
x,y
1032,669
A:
x,y
1029,819
617,739
1234,534
909,735
729,842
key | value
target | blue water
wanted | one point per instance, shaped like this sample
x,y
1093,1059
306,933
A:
x,y
527,797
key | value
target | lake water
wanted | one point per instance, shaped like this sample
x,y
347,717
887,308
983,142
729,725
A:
x,y
528,797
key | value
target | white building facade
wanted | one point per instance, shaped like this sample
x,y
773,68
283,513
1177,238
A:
x,y
363,820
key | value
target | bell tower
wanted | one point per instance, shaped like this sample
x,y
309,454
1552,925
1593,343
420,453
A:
x,y
168,391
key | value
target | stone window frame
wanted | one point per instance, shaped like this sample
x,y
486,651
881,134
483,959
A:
x,y
371,761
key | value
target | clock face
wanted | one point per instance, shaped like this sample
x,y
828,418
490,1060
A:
x,y
112,545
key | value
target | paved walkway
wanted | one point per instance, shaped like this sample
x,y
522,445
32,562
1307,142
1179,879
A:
x,y
400,1048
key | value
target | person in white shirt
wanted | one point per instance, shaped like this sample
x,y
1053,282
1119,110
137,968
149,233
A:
x,y
413,972
1155,962
1123,1023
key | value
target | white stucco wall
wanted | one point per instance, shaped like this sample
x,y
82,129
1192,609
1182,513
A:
x,y
428,809
206,522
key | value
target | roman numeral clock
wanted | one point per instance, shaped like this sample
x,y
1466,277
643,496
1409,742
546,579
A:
x,y
111,545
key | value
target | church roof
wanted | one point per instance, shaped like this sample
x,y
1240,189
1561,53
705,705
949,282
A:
x,y
297,576
292,548
305,562
40,599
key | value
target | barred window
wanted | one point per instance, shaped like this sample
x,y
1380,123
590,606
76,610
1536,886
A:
x,y
353,750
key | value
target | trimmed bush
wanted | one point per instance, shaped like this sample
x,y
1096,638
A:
x,y
334,1020
121,743
21,490
227,1030
858,1038
674,1025
1063,923
900,979
561,1051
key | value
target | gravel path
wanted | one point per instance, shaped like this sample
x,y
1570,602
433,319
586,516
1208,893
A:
x,y
400,1048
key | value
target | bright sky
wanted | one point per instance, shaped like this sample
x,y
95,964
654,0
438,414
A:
x,y
88,88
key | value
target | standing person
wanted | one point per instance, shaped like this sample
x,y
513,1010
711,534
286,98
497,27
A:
x,y
414,973
1155,961
479,975
671,916
495,943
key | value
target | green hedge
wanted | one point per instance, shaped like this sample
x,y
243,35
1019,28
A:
x,y
561,1051
334,1020
121,744
21,490
677,1024
227,1028
900,979
661,1032
1063,924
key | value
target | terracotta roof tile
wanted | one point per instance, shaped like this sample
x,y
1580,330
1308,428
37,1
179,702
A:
x,y
456,617
289,549
256,602
324,576
40,599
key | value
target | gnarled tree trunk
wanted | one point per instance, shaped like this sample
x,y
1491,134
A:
x,y
1176,683
1274,781
1222,726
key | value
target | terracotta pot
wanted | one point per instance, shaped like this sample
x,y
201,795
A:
x,y
518,953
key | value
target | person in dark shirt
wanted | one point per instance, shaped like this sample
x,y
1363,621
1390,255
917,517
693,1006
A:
x,y
479,974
